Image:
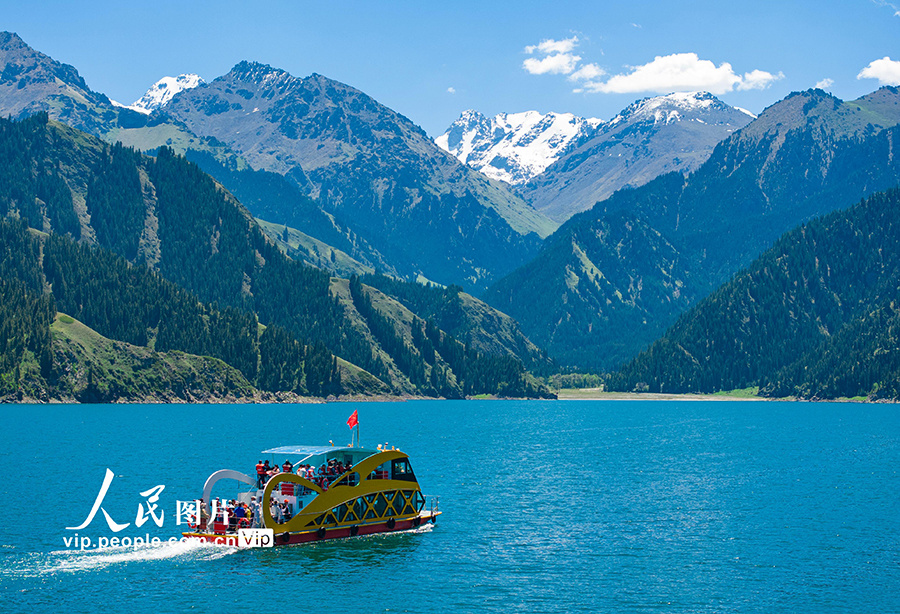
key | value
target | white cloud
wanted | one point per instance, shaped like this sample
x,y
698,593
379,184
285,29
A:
x,y
557,57
451,90
885,70
549,46
587,72
824,84
682,72
889,5
678,72
558,63
758,80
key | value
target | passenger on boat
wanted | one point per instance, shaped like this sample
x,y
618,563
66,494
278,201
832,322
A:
x,y
204,513
238,513
286,511
287,467
275,510
260,474
255,514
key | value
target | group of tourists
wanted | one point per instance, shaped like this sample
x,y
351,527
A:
x,y
281,512
232,514
321,477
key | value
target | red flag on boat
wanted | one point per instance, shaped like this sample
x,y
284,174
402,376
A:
x,y
353,420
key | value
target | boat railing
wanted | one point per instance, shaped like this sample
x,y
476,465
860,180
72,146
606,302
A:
x,y
435,503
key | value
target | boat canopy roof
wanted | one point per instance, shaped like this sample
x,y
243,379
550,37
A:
x,y
308,451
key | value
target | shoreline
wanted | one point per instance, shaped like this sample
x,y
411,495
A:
x,y
564,394
596,394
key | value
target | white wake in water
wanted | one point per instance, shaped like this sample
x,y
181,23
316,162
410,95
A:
x,y
97,559
77,561
424,528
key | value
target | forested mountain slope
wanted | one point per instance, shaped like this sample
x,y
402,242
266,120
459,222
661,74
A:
x,y
816,316
165,213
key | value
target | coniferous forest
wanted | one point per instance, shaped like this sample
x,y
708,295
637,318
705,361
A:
x,y
153,253
816,316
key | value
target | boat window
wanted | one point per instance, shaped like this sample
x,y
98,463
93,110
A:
x,y
407,503
359,507
402,470
381,472
370,506
419,501
395,503
380,505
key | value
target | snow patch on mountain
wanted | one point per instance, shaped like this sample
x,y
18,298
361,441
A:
x,y
514,147
161,92
670,108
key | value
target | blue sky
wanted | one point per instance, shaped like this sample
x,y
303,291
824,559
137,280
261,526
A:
x,y
430,60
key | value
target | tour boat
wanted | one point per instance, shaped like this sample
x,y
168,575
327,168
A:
x,y
377,492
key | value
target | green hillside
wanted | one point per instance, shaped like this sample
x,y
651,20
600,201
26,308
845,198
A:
x,y
816,316
195,273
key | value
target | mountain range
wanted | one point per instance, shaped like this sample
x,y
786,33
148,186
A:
x,y
613,278
376,178
151,252
564,164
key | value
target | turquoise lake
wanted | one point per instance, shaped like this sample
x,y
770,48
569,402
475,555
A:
x,y
548,506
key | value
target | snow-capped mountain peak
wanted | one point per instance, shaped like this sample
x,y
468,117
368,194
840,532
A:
x,y
513,147
652,136
163,90
671,108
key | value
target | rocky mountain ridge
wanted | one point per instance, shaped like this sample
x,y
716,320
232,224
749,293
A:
x,y
651,137
371,168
